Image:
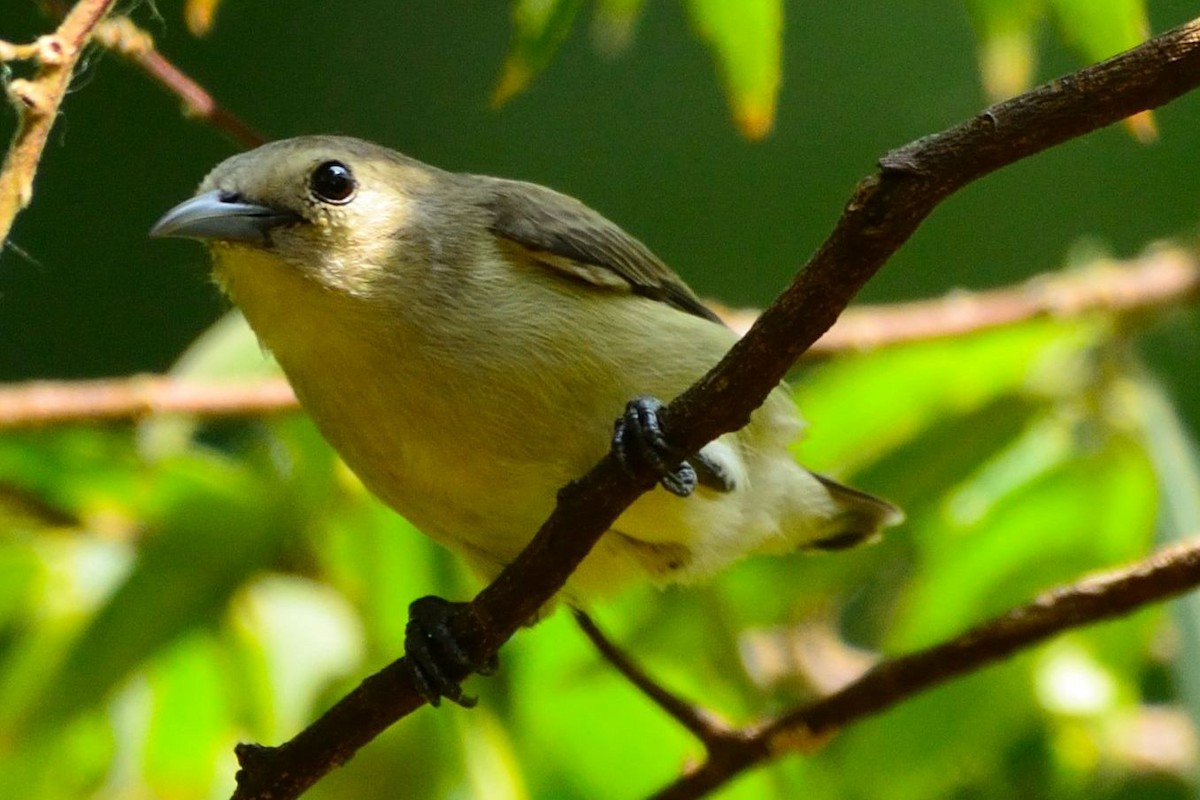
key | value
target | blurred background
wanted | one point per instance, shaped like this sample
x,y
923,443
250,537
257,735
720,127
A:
x,y
169,588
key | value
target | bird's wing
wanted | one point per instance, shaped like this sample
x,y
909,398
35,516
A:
x,y
564,235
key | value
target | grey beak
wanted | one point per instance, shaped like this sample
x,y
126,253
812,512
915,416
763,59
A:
x,y
209,216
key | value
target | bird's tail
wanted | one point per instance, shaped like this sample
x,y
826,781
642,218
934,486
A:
x,y
860,516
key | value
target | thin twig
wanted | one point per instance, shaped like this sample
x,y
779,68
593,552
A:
x,y
1166,276
43,403
37,100
702,723
122,36
883,213
1166,574
1157,279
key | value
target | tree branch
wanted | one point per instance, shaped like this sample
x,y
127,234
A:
x,y
884,211
1158,279
1165,574
124,37
39,404
37,101
135,45
701,722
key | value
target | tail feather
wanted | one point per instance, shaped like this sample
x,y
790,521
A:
x,y
860,518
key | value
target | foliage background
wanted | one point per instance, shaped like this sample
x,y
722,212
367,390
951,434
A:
x,y
166,591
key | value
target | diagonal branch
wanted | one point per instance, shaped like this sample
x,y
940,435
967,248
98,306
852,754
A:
x,y
1167,573
883,212
125,38
122,36
702,723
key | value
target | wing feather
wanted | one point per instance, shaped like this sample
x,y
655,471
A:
x,y
564,235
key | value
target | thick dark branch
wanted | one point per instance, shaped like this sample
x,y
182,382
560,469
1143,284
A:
x,y
883,213
1166,574
887,208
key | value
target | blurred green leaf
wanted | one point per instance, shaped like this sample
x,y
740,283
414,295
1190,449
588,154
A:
x,y
1098,29
86,475
1177,469
1102,28
303,637
613,24
73,763
216,523
493,771
379,561
190,730
228,349
863,407
940,742
746,38
20,569
1006,30
558,681
539,27
1039,514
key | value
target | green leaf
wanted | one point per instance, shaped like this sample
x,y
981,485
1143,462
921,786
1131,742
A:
x,y
298,638
1177,468
558,680
73,476
216,523
1102,28
746,39
379,561
864,407
1045,511
613,24
190,729
1006,30
940,741
539,27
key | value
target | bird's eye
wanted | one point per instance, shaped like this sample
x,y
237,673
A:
x,y
333,182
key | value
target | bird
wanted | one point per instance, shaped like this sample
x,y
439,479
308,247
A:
x,y
471,344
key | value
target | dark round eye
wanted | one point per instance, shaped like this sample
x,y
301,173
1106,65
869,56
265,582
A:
x,y
333,182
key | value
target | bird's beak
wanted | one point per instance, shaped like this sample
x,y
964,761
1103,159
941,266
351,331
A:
x,y
213,215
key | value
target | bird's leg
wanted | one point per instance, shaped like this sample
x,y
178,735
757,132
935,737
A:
x,y
638,436
436,645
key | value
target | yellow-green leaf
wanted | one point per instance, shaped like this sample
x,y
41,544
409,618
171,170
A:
x,y
1006,30
539,27
746,38
613,24
199,15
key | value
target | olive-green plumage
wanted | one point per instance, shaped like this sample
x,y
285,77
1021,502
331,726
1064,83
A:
x,y
465,343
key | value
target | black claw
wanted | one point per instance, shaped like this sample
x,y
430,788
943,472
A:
x,y
681,482
638,436
436,654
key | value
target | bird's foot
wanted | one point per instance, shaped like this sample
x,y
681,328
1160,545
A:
x,y
437,654
638,436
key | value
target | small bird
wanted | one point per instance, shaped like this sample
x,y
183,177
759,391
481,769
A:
x,y
465,343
